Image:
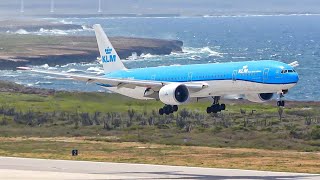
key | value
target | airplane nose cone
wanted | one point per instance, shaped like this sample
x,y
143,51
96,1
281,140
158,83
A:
x,y
295,77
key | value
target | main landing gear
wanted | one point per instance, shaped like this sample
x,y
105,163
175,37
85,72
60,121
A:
x,y
216,107
168,109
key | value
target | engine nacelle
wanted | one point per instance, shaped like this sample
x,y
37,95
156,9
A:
x,y
259,98
174,94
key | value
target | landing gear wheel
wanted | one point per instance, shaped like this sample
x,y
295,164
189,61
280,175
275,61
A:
x,y
280,103
168,109
175,108
209,110
223,107
161,111
216,107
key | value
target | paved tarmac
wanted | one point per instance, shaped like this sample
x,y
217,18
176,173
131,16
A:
x,y
36,169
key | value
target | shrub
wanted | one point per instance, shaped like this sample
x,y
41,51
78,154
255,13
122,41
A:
x,y
315,132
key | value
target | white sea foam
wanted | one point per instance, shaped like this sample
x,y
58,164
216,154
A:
x,y
20,31
95,70
45,66
210,52
87,28
148,55
257,15
65,22
205,50
43,31
74,70
43,83
238,57
52,31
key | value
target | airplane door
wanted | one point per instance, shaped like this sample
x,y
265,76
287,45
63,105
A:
x,y
265,74
189,76
234,75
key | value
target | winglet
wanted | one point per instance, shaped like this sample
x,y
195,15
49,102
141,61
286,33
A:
x,y
24,68
294,64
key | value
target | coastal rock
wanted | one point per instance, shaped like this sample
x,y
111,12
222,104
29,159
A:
x,y
22,50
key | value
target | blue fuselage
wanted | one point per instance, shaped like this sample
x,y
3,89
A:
x,y
264,71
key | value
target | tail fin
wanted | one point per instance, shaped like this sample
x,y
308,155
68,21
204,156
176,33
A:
x,y
109,57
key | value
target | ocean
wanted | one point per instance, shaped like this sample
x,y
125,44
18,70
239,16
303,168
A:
x,y
208,39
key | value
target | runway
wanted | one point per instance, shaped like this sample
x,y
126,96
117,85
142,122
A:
x,y
36,169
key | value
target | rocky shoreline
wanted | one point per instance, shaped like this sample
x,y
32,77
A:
x,y
22,50
31,49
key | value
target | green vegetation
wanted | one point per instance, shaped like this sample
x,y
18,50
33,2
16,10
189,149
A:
x,y
110,127
100,115
132,152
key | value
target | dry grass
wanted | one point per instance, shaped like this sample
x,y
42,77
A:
x,y
256,159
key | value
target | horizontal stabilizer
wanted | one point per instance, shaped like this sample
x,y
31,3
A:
x,y
294,64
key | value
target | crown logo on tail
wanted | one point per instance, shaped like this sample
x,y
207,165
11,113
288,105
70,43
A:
x,y
108,50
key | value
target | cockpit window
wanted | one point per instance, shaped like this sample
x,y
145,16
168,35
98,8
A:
x,y
284,71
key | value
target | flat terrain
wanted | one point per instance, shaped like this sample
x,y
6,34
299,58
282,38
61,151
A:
x,y
107,127
21,168
148,153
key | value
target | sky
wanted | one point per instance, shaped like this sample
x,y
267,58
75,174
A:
x,y
184,7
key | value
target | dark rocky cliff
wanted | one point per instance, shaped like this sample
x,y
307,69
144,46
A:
x,y
22,50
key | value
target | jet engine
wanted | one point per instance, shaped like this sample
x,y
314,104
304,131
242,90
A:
x,y
174,94
259,98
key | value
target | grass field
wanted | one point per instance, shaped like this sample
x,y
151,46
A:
x,y
133,152
247,136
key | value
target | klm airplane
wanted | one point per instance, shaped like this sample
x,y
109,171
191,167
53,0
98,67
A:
x,y
257,81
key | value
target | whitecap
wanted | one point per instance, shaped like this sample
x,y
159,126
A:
x,y
52,31
148,55
65,22
22,31
204,50
43,83
210,52
45,66
88,28
73,70
195,57
238,57
94,69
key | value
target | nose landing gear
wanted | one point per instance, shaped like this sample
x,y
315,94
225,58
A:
x,y
281,102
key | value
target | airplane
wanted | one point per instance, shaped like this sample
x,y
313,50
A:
x,y
175,85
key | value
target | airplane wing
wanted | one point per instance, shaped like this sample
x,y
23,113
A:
x,y
130,83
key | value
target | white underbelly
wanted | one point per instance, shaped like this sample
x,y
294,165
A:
x,y
229,87
216,88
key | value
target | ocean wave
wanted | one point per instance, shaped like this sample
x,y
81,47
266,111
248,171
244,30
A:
x,y
52,31
238,57
43,83
148,55
74,71
45,66
43,31
204,50
258,15
95,70
20,31
65,22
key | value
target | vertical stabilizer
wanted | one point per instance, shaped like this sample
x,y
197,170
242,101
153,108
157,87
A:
x,y
109,57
